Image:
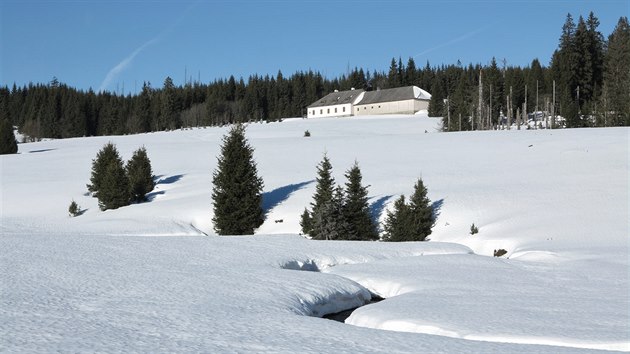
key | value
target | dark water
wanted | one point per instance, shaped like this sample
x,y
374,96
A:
x,y
341,316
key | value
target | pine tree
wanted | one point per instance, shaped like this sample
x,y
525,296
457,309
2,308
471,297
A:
x,y
103,158
113,192
237,192
421,212
396,227
8,144
356,208
140,175
324,190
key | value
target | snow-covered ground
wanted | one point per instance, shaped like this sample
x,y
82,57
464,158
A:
x,y
557,201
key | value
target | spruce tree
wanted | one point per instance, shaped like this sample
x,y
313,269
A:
x,y
413,221
329,221
113,192
8,144
237,192
421,213
436,103
396,227
615,105
324,190
140,175
103,158
356,208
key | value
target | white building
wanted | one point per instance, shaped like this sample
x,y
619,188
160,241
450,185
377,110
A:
x,y
335,104
400,100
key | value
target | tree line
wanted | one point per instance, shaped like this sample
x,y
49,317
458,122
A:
x,y
590,74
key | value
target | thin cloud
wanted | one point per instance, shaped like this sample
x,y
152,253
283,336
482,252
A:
x,y
124,64
116,70
452,41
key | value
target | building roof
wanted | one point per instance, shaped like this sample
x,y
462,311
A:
x,y
335,98
395,94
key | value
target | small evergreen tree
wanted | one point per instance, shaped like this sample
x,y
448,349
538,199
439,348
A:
x,y
421,212
306,222
324,190
103,158
329,221
356,208
113,192
474,229
413,221
8,144
396,227
140,175
74,209
237,192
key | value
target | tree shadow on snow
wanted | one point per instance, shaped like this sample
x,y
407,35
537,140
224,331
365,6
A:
x,y
42,150
272,199
152,195
377,208
167,180
437,206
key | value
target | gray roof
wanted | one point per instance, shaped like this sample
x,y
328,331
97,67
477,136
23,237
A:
x,y
334,98
393,94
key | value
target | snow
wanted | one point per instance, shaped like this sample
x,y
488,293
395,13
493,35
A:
x,y
557,201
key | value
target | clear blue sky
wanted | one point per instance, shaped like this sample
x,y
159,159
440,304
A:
x,y
108,44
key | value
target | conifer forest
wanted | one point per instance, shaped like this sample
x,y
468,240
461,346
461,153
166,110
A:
x,y
587,83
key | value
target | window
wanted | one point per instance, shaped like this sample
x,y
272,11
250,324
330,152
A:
x,y
335,109
328,111
321,111
358,109
343,109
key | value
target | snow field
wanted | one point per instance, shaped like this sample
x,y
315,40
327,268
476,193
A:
x,y
557,201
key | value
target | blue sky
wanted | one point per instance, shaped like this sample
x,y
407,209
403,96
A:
x,y
115,44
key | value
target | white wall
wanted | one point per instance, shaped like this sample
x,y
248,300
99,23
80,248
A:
x,y
338,110
395,107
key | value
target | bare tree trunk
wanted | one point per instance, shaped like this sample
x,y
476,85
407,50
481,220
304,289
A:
x,y
553,106
480,107
518,118
536,113
448,112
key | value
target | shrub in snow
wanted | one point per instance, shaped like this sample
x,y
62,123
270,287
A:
x,y
237,189
307,134
8,144
500,252
74,209
473,229
140,175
